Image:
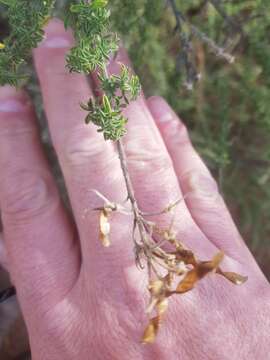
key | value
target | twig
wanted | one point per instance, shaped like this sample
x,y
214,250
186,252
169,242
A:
x,y
187,49
219,51
130,190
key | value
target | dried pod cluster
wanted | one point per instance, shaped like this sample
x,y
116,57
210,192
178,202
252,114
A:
x,y
170,272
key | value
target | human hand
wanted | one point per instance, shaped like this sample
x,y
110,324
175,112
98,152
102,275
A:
x,y
81,301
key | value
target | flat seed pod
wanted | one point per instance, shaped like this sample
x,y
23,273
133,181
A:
x,y
200,271
235,278
188,282
151,331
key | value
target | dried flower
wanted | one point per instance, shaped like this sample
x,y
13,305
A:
x,y
233,277
104,228
197,273
162,288
151,331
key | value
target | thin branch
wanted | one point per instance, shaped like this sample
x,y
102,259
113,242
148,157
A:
x,y
187,54
234,25
219,51
187,49
130,190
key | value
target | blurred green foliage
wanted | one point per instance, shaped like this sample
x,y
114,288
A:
x,y
228,112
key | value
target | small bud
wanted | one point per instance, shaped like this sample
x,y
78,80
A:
x,y
188,282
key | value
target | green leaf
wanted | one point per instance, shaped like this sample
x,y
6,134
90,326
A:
x,y
97,4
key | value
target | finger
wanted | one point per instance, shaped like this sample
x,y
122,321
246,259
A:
x,y
3,253
87,161
38,236
205,204
150,166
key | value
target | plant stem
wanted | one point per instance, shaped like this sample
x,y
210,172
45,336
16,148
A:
x,y
187,47
187,53
144,247
130,189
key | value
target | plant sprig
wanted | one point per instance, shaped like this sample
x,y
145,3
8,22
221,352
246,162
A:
x,y
26,19
95,45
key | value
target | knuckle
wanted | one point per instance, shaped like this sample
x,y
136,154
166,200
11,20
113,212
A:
x,y
159,166
145,152
25,194
201,185
80,147
156,163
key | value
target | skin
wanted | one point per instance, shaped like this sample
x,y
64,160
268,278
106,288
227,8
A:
x,y
81,301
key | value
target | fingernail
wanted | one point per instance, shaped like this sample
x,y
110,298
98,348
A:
x,y
160,109
56,36
12,100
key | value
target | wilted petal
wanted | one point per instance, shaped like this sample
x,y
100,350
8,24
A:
x,y
217,259
235,278
205,267
186,256
188,282
200,270
151,331
105,240
104,228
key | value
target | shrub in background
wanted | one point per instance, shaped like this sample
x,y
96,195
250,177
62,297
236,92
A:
x,y
228,111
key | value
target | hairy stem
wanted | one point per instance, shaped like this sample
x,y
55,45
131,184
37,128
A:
x,y
145,246
187,53
130,189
